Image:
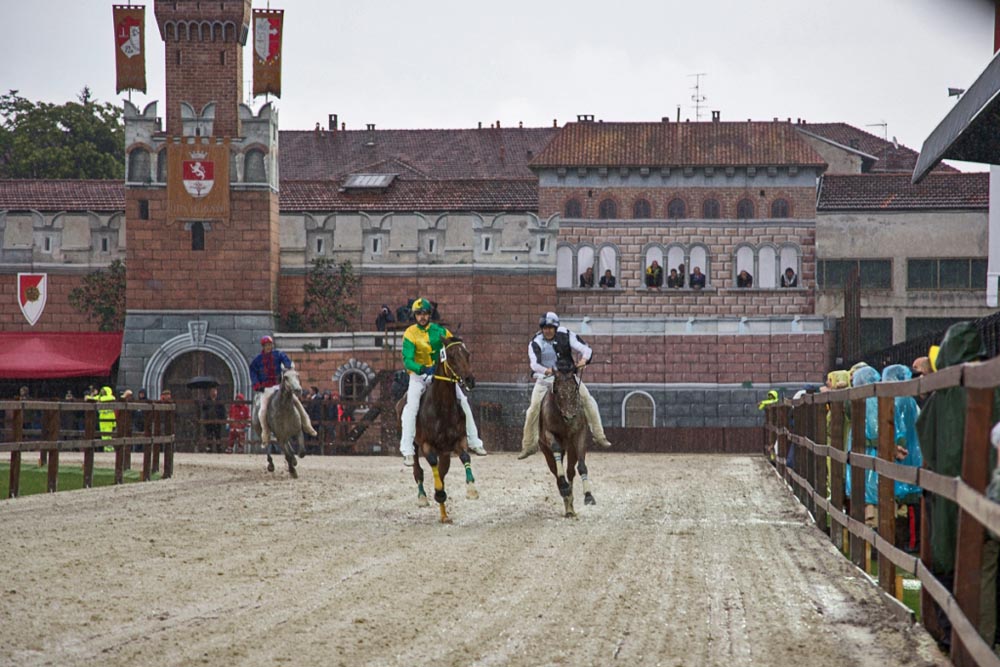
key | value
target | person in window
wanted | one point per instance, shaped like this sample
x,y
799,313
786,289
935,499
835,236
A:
x,y
675,279
680,275
654,275
384,318
789,279
587,277
607,280
744,279
552,347
697,278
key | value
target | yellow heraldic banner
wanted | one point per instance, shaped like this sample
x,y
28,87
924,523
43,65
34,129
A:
x,y
130,47
198,184
267,29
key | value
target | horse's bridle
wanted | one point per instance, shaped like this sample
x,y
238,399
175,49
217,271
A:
x,y
450,374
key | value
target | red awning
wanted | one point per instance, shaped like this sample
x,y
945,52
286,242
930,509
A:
x,y
58,355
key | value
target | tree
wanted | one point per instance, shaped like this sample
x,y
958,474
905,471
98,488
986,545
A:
x,y
82,139
331,301
102,297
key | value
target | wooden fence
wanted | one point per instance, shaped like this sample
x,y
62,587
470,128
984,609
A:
x,y
802,423
29,426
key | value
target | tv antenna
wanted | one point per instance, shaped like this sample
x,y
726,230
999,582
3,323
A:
x,y
697,98
885,129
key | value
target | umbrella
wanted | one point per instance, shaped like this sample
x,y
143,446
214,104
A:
x,y
202,382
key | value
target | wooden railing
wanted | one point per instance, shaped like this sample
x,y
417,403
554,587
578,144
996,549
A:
x,y
977,513
49,439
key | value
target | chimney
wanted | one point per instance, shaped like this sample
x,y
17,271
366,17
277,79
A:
x,y
555,123
371,127
665,119
498,125
480,125
332,122
343,126
585,118
716,116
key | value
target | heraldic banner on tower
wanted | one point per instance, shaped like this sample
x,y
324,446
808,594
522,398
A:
x,y
267,28
198,180
130,47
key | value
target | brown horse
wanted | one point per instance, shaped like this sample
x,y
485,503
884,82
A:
x,y
441,424
563,432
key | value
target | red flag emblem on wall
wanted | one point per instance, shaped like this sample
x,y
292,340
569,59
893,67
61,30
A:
x,y
32,290
199,177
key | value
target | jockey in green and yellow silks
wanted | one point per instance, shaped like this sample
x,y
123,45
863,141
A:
x,y
422,343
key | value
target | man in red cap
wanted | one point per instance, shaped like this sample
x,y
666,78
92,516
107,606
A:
x,y
265,373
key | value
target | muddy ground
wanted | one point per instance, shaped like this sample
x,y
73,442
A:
x,y
685,560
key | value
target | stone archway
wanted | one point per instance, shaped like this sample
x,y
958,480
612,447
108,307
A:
x,y
197,340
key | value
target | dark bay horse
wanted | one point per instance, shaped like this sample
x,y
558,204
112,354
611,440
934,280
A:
x,y
441,424
563,433
283,419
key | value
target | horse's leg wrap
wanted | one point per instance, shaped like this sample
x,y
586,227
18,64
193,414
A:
x,y
564,488
470,482
588,497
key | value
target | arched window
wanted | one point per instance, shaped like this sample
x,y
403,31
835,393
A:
x,y
573,209
638,410
584,260
641,209
352,386
607,259
675,259
161,166
767,262
699,258
676,209
253,169
564,267
790,259
744,209
744,262
779,208
710,209
654,253
607,209
138,166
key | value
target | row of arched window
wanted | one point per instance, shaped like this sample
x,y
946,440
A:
x,y
765,262
140,166
676,209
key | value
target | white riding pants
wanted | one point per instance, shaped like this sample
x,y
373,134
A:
x,y
418,384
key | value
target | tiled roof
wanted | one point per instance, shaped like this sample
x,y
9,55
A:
x,y
891,158
839,192
402,195
62,195
489,153
590,144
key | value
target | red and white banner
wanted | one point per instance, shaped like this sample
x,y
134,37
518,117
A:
x,y
267,29
32,290
199,175
130,47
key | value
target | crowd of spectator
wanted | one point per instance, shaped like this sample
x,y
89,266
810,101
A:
x,y
653,279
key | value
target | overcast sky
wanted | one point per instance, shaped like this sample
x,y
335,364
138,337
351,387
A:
x,y
455,63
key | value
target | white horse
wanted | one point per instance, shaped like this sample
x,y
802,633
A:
x,y
283,420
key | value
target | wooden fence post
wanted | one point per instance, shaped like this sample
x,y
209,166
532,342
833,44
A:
x,y
819,462
782,441
969,549
886,491
17,427
837,470
858,480
168,449
89,433
147,449
50,431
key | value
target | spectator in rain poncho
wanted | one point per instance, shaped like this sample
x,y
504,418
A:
x,y
862,376
905,420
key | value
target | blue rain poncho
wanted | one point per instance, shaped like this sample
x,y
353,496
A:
x,y
862,376
906,413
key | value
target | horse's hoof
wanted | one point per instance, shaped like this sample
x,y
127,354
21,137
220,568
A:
x,y
270,467
292,473
447,520
471,493
588,499
571,514
422,501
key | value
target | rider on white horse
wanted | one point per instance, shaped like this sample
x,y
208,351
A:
x,y
265,373
549,346
422,343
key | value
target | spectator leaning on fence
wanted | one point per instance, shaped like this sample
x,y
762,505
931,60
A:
x,y
941,430
862,376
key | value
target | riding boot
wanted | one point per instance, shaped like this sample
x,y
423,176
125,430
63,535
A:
x,y
593,417
529,438
307,426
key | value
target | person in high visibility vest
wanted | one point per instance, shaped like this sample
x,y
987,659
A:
x,y
772,398
106,418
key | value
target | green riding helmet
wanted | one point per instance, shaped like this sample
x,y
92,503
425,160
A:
x,y
421,305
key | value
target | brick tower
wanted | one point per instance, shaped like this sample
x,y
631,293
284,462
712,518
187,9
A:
x,y
201,208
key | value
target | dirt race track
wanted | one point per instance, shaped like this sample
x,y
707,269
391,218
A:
x,y
685,560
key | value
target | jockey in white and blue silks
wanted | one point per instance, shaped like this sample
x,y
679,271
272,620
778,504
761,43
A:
x,y
265,373
550,345
422,343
